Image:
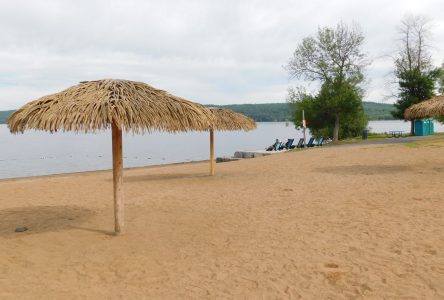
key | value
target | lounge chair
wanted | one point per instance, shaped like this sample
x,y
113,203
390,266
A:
x,y
290,143
320,142
287,145
311,142
300,144
275,146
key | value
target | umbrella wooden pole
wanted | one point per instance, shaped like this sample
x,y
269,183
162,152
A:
x,y
212,152
118,178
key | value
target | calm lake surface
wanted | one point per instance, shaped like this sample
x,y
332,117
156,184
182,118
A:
x,y
39,153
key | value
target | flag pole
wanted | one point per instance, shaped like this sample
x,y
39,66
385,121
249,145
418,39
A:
x,y
304,125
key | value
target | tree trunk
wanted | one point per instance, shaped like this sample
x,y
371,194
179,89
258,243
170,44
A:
x,y
336,129
412,127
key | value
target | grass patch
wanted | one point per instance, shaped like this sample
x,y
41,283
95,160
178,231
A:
x,y
358,139
435,140
434,143
373,135
412,145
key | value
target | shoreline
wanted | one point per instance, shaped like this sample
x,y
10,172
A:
x,y
357,143
94,172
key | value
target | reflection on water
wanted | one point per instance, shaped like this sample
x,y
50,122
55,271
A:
x,y
41,153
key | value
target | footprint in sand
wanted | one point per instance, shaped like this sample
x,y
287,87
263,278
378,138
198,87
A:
x,y
333,277
431,251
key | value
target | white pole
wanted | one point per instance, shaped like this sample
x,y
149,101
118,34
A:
x,y
304,126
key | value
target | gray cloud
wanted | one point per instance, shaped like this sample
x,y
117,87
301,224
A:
x,y
207,51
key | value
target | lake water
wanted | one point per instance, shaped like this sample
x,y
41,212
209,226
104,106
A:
x,y
40,153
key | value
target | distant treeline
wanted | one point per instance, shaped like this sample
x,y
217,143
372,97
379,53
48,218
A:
x,y
378,111
277,112
268,112
280,112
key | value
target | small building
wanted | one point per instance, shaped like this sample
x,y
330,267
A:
x,y
424,127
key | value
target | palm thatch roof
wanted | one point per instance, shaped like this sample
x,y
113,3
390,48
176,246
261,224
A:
x,y
95,105
429,108
226,119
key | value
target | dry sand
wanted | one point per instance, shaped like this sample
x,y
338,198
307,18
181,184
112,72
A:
x,y
333,223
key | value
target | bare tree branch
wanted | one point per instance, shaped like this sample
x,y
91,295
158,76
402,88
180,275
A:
x,y
332,54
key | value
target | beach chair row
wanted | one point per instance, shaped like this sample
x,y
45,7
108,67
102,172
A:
x,y
312,142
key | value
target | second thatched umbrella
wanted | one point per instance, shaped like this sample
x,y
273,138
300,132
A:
x,y
119,104
227,120
433,107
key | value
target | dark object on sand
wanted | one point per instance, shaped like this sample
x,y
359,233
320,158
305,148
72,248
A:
x,y
365,134
21,229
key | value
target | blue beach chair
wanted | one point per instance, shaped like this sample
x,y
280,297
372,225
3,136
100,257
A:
x,y
300,144
311,142
287,145
320,142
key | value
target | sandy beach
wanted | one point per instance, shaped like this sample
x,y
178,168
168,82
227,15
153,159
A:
x,y
360,222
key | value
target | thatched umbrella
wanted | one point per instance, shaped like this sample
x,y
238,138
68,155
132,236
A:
x,y
227,120
430,108
119,104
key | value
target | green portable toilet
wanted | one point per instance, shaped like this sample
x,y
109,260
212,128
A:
x,y
419,127
424,127
430,127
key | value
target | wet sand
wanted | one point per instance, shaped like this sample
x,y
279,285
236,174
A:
x,y
327,223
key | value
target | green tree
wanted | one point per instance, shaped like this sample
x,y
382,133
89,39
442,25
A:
x,y
441,80
414,86
333,58
321,110
416,76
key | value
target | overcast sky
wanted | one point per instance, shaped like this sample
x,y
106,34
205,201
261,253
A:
x,y
218,52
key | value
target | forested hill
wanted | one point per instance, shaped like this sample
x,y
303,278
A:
x,y
378,111
268,112
277,112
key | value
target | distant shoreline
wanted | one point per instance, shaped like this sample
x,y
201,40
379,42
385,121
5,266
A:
x,y
278,112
